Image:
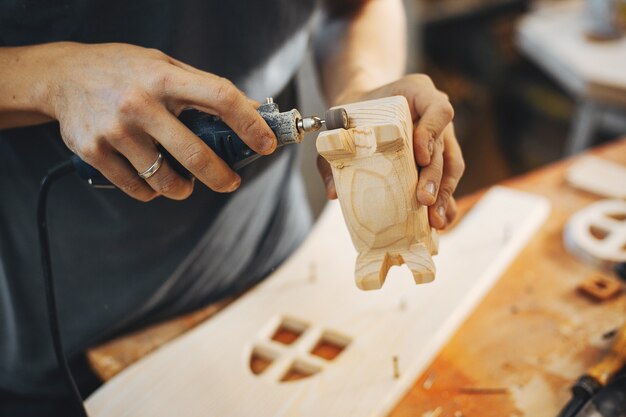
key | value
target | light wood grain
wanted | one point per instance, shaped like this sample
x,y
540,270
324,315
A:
x,y
112,357
214,369
376,180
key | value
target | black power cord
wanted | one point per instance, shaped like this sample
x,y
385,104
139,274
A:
x,y
53,175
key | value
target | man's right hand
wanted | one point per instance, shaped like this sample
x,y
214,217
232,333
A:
x,y
114,102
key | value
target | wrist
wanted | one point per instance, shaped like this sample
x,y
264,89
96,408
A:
x,y
36,73
52,60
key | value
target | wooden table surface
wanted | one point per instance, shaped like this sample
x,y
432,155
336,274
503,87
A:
x,y
517,353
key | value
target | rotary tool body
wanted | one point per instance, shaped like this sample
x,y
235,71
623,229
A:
x,y
289,127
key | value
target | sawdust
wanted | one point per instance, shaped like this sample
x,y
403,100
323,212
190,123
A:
x,y
566,366
535,398
434,413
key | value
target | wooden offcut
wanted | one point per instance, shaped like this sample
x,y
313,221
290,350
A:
x,y
376,180
598,176
600,288
597,234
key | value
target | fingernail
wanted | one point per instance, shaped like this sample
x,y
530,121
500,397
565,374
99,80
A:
x,y
331,192
430,188
441,211
267,144
329,184
431,147
235,185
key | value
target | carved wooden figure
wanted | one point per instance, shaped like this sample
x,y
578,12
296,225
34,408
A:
x,y
376,180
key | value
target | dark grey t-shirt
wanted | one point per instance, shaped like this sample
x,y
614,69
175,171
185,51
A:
x,y
119,263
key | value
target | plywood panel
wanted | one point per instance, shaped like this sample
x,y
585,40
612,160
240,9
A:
x,y
208,370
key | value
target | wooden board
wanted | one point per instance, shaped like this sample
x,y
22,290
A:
x,y
208,371
598,176
375,176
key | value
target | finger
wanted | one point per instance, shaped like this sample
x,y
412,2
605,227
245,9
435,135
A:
x,y
121,173
454,165
326,173
453,169
187,67
430,176
432,121
216,95
253,103
197,71
190,151
437,214
451,211
141,152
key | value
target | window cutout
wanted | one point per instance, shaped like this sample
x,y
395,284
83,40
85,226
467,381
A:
x,y
289,331
330,346
598,232
620,217
299,370
260,360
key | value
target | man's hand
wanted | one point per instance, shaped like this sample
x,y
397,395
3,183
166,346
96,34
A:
x,y
436,148
114,102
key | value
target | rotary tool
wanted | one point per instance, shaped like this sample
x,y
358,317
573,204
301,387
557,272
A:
x,y
289,127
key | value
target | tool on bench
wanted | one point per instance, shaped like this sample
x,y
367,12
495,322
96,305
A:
x,y
289,127
610,401
593,383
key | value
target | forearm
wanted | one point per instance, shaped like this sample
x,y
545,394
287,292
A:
x,y
361,51
23,89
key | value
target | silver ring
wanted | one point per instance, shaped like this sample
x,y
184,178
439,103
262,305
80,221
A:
x,y
153,168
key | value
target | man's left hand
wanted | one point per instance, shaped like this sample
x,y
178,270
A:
x,y
435,145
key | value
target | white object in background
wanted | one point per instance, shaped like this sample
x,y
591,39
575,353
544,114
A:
x,y
593,72
597,233
388,336
598,176
602,18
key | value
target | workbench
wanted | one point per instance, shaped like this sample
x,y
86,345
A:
x,y
517,353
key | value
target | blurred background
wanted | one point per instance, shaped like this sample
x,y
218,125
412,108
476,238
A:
x,y
509,67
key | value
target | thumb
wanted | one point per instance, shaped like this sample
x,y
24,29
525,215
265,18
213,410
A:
x,y
327,176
